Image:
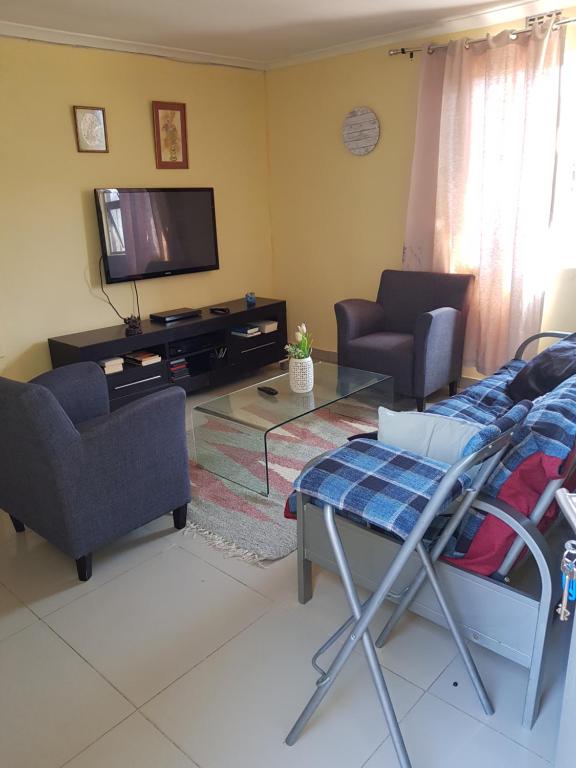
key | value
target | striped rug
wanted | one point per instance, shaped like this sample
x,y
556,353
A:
x,y
243,523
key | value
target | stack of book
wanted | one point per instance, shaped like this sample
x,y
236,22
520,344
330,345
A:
x,y
112,365
179,369
267,326
142,358
246,330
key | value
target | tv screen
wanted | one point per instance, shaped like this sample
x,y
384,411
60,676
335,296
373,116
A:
x,y
155,232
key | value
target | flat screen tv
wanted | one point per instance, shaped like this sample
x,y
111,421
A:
x,y
155,232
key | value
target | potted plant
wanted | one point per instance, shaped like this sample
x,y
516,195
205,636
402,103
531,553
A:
x,y
300,367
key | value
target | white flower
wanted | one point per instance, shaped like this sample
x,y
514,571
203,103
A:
x,y
298,336
303,328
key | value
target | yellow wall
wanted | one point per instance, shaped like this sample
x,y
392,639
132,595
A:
x,y
337,219
49,246
269,144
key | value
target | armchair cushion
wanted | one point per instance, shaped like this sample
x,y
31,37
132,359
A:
x,y
390,353
80,388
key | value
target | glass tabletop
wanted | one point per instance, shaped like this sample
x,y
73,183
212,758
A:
x,y
264,412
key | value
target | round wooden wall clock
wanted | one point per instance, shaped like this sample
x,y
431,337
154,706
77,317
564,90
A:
x,y
361,130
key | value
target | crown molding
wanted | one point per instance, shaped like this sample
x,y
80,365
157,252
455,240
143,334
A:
x,y
80,40
499,15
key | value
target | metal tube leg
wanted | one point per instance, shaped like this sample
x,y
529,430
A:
x,y
420,577
304,565
455,630
545,616
369,650
325,683
361,625
439,547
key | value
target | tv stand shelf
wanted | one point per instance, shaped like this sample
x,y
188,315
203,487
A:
x,y
212,354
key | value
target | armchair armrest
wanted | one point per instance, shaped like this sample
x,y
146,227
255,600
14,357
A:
x,y
135,462
358,317
438,342
80,388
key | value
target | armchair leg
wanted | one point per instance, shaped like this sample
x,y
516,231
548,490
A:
x,y
84,567
18,526
453,387
420,403
180,517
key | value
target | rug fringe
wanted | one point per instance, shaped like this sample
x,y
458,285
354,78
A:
x,y
222,545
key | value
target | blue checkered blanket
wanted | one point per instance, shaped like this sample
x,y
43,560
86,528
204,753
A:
x,y
378,484
484,401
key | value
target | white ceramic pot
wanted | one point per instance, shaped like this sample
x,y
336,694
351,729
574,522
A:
x,y
301,374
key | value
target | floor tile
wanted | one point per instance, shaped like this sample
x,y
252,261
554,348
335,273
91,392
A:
x,y
439,736
277,580
506,686
418,649
45,579
135,743
14,616
52,704
147,627
236,708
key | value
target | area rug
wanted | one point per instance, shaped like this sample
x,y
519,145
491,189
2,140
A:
x,y
243,523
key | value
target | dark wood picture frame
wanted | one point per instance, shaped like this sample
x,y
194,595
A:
x,y
169,155
82,144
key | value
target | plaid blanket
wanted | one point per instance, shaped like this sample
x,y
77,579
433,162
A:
x,y
538,451
484,401
378,484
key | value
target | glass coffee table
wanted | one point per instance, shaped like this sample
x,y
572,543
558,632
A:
x,y
252,415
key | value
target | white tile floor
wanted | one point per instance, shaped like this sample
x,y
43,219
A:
x,y
173,656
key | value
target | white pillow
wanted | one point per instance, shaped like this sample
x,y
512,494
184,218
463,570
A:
x,y
440,437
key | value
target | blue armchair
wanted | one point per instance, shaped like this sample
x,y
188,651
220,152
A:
x,y
414,331
81,476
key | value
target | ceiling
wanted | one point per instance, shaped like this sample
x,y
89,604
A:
x,y
253,33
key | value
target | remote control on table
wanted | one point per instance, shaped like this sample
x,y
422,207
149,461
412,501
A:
x,y
268,390
220,310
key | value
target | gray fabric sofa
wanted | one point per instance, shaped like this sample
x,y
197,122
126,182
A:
x,y
414,331
81,476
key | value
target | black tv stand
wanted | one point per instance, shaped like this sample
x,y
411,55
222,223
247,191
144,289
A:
x,y
195,352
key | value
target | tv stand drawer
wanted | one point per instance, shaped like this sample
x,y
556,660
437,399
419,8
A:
x,y
134,379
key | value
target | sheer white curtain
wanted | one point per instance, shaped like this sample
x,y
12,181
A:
x,y
483,180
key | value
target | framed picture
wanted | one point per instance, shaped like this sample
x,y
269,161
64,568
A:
x,y
91,133
170,134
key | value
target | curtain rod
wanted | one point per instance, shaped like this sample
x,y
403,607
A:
x,y
438,46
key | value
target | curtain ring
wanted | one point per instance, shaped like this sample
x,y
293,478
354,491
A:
x,y
430,48
467,43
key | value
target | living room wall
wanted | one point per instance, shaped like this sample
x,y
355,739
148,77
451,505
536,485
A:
x,y
49,246
338,220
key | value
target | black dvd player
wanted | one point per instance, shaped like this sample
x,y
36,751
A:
x,y
170,315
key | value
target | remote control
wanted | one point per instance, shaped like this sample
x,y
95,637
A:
x,y
268,390
220,310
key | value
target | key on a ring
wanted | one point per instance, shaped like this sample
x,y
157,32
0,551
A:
x,y
567,568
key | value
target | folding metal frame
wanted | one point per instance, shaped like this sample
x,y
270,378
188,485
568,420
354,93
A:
x,y
358,625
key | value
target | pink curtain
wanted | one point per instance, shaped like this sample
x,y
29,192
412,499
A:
x,y
483,179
